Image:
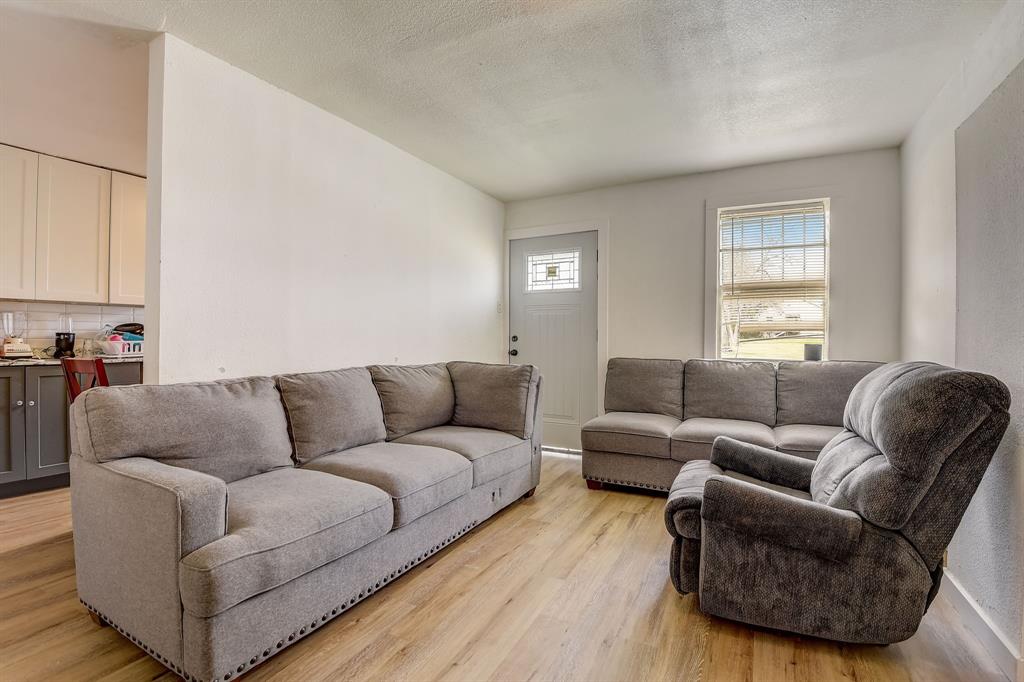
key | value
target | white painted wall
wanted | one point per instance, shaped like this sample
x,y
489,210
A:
x,y
928,169
73,89
656,254
309,242
984,558
987,554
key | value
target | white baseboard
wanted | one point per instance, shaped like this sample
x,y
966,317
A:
x,y
1005,653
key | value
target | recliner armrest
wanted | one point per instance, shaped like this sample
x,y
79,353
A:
x,y
682,510
779,518
762,463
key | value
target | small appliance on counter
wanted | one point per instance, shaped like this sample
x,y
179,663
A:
x,y
14,326
65,337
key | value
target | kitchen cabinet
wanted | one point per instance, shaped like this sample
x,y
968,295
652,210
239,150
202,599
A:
x,y
12,424
127,239
34,426
72,231
46,422
18,175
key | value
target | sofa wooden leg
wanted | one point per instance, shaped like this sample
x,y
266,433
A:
x,y
529,493
594,485
97,620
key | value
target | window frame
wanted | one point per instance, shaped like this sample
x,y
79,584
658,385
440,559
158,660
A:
x,y
713,296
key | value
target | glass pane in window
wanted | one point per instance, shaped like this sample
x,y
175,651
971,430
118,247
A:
x,y
773,289
553,270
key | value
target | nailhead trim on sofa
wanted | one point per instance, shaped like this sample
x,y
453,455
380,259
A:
x,y
631,484
298,633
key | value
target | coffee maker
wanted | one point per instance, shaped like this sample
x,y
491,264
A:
x,y
65,338
14,326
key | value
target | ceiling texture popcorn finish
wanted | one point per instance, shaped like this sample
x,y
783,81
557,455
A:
x,y
527,98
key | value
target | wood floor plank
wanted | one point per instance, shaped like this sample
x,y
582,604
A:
x,y
571,584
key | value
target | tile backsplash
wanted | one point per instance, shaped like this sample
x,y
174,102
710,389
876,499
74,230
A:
x,y
88,319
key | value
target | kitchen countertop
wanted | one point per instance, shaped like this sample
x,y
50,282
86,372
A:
x,y
31,362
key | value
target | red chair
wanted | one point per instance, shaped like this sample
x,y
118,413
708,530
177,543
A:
x,y
81,374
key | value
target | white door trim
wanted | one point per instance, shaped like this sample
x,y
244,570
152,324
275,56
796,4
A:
x,y
602,228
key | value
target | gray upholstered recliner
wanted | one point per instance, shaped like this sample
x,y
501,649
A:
x,y
848,547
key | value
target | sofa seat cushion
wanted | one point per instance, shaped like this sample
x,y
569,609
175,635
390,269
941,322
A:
x,y
631,433
693,438
418,478
806,440
491,453
682,511
281,525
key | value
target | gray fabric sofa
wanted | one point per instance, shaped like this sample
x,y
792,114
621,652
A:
x,y
848,547
662,413
217,523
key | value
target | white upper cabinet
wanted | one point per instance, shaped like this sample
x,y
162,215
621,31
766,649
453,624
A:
x,y
18,171
127,239
72,232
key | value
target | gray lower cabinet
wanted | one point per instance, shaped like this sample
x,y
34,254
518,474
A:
x,y
34,428
12,424
46,426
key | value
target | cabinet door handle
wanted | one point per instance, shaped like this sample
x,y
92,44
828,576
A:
x,y
20,403
31,403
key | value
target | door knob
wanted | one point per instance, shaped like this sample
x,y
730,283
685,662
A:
x,y
20,403
513,352
514,338
31,403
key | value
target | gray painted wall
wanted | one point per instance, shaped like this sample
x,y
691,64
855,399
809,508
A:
x,y
986,555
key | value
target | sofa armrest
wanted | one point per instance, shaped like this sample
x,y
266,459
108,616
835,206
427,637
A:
x,y
762,463
133,520
778,518
537,435
198,501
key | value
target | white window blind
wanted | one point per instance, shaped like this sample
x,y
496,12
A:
x,y
773,280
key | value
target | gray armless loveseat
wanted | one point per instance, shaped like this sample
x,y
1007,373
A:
x,y
848,547
217,523
662,413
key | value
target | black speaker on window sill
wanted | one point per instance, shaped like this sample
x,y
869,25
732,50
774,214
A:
x,y
812,351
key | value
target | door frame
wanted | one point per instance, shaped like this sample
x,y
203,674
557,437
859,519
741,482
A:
x,y
602,228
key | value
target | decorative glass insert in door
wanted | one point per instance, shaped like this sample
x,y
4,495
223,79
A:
x,y
553,271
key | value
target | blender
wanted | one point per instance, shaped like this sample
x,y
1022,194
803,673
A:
x,y
14,326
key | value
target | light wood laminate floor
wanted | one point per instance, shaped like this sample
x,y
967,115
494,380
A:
x,y
571,584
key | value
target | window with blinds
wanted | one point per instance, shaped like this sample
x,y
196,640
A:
x,y
773,281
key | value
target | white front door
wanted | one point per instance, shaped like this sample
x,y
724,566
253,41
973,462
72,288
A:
x,y
553,325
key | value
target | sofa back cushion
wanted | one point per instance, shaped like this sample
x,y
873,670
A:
x,y
816,392
230,429
918,438
330,411
500,397
644,385
729,389
414,397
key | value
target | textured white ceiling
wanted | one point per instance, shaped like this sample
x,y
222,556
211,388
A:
x,y
526,98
